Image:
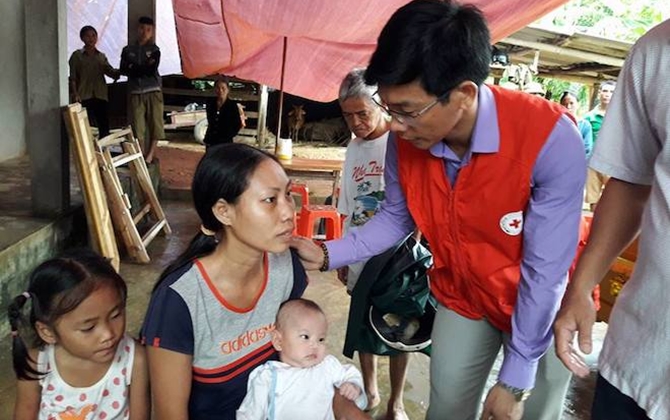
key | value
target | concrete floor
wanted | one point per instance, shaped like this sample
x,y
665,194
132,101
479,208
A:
x,y
324,289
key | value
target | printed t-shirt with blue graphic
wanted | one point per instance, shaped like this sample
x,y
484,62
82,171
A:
x,y
362,189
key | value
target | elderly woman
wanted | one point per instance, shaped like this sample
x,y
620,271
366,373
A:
x,y
362,191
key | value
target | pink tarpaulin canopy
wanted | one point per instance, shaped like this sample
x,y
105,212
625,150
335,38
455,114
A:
x,y
326,38
244,38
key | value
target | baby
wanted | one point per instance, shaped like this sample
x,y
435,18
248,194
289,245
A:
x,y
301,385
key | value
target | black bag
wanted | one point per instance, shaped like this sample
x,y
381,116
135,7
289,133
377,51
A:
x,y
392,286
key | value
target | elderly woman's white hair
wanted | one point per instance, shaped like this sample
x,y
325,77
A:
x,y
354,86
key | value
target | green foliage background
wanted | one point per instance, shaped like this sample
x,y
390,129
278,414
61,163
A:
x,y
624,20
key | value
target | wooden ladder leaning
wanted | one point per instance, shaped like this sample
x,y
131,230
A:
x,y
98,218
122,214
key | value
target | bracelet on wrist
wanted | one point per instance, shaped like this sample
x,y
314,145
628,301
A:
x,y
326,258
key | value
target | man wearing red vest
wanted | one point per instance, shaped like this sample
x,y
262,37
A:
x,y
494,181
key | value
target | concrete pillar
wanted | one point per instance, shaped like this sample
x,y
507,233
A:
x,y
137,9
46,92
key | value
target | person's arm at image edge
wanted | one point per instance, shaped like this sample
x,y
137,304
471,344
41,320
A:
x,y
626,151
170,375
140,397
169,341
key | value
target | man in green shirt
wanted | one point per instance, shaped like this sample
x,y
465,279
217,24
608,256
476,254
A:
x,y
595,181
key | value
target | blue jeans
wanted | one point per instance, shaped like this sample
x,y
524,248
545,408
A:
x,y
610,403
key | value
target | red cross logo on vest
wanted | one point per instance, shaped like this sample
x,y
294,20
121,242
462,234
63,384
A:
x,y
512,223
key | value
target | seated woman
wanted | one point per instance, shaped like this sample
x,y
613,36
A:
x,y
209,319
224,116
212,311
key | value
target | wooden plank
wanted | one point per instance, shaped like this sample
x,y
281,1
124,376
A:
x,y
173,108
114,138
143,212
329,169
316,165
243,97
189,92
151,233
566,52
237,96
252,115
184,117
124,158
120,210
98,218
247,132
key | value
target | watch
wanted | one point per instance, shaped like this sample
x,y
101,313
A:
x,y
520,394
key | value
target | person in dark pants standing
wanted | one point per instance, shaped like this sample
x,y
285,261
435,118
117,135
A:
x,y
140,61
224,118
88,68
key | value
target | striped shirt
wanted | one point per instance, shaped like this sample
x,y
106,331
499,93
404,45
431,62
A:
x,y
188,315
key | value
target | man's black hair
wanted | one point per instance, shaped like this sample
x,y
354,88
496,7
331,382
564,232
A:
x,y
85,29
146,20
439,43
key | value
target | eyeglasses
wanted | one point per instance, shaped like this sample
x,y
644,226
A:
x,y
409,117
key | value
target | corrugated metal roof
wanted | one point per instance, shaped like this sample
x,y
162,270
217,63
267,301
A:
x,y
572,56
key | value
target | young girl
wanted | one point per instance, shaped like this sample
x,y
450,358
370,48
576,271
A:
x,y
83,366
211,314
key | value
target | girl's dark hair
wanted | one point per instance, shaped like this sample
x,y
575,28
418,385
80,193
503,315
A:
x,y
222,173
145,20
439,43
85,29
56,287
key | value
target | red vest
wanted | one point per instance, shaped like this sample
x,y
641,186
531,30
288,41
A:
x,y
475,229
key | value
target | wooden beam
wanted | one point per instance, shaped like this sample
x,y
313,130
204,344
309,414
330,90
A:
x,y
579,78
583,67
568,52
237,96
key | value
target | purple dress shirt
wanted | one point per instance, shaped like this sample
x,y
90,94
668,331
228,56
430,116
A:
x,y
550,231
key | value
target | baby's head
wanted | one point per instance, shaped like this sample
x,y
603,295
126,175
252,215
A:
x,y
300,333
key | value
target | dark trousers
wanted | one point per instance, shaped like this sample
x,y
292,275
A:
x,y
97,114
610,404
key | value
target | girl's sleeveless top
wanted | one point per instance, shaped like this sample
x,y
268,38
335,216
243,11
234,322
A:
x,y
105,400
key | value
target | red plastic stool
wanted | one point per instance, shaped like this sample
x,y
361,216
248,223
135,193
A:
x,y
302,191
310,214
295,224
